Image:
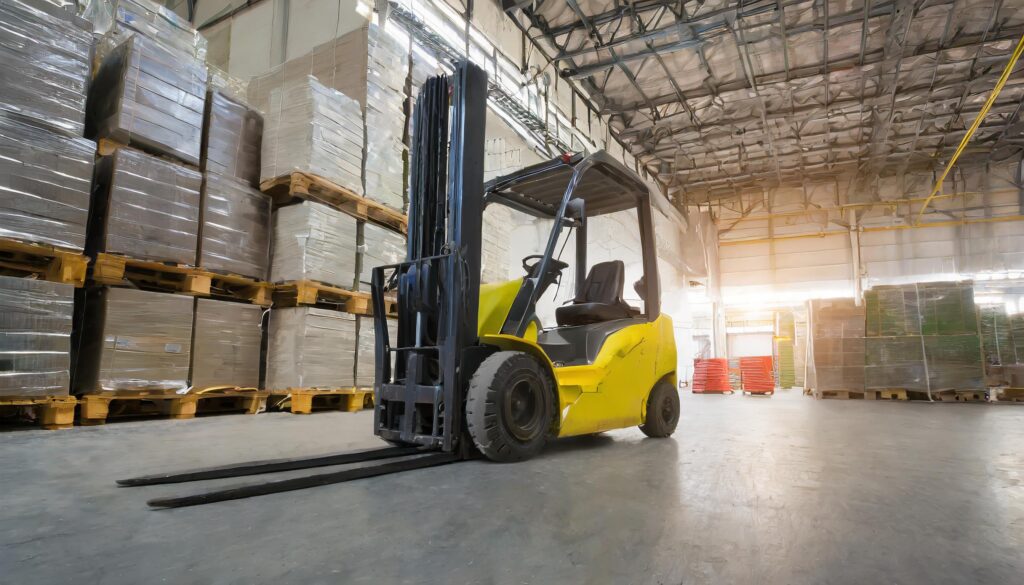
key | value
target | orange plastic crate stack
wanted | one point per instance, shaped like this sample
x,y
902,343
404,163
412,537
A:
x,y
711,375
756,374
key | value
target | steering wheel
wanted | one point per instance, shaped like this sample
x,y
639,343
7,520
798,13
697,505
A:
x,y
555,266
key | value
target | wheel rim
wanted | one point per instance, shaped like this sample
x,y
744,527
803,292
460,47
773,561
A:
x,y
667,411
524,409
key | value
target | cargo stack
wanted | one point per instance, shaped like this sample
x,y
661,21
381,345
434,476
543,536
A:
x,y
226,344
785,333
311,348
366,352
835,347
46,169
996,342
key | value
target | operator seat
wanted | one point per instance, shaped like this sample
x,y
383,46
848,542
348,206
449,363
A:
x,y
600,299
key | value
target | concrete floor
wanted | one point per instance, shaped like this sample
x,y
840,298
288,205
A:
x,y
750,490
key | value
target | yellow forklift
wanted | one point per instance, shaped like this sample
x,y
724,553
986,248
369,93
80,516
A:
x,y
472,370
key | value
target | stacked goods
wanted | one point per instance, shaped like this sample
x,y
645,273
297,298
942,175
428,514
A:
x,y
151,96
311,348
46,180
1017,334
35,332
234,233
45,63
232,138
366,352
380,247
785,333
132,340
232,87
835,346
313,129
996,342
314,242
226,344
711,375
894,352
155,21
756,374
145,207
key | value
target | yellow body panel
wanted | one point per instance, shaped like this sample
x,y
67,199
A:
x,y
610,393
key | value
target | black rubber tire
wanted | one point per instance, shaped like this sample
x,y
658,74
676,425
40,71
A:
x,y
506,386
662,411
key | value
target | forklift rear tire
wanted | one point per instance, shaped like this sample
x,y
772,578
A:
x,y
662,411
510,406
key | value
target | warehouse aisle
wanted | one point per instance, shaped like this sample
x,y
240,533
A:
x,y
751,490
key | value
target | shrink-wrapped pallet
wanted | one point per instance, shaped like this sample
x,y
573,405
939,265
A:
x,y
35,337
311,348
313,129
132,340
314,242
835,346
996,338
365,356
145,207
381,247
235,228
45,179
232,138
150,96
155,21
226,344
45,64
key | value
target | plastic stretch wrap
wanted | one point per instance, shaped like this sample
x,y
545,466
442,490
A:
x,y
954,362
35,337
233,87
381,247
314,242
45,64
313,129
232,138
45,182
947,308
996,337
895,362
1017,333
311,348
226,346
836,345
145,208
150,96
892,311
158,22
133,340
235,231
366,365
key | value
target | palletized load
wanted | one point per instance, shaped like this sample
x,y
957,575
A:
x,y
235,229
313,129
381,247
226,346
45,179
35,337
232,138
365,356
148,95
314,242
835,346
133,340
145,207
157,22
311,348
45,64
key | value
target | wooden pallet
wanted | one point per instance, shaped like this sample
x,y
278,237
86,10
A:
x,y
98,408
114,269
299,185
1009,395
890,394
960,396
49,412
712,391
310,292
306,400
107,147
42,261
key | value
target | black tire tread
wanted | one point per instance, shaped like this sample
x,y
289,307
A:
x,y
655,427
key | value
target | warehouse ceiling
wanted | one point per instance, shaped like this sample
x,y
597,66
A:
x,y
720,96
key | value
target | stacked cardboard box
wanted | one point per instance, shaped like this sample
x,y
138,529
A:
x,y
311,347
151,96
226,344
314,129
145,207
366,354
132,340
35,331
45,64
46,180
835,346
232,138
157,22
381,247
314,242
235,228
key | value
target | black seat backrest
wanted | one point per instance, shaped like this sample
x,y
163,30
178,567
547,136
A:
x,y
603,284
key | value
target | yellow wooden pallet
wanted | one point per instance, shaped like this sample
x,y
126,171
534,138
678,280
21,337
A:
x,y
114,269
299,185
310,292
42,261
306,400
1010,395
49,412
97,408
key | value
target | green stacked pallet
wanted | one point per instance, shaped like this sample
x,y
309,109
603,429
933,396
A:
x,y
1017,336
996,340
785,333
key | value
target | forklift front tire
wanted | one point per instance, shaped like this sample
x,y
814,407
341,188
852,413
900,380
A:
x,y
509,407
662,411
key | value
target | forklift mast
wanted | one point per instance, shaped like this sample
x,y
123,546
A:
x,y
421,376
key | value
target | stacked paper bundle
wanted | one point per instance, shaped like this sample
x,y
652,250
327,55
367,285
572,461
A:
x,y
232,138
157,22
314,242
366,356
313,129
381,247
311,348
235,229
35,337
226,351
